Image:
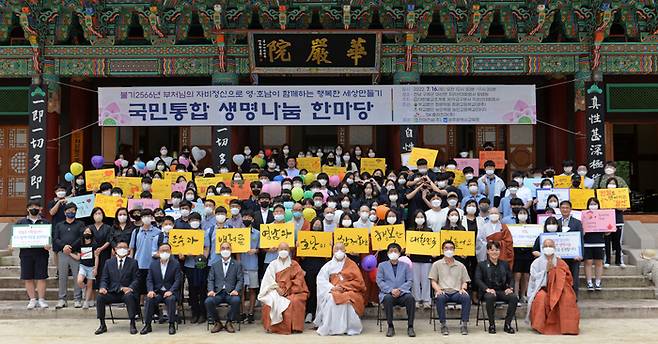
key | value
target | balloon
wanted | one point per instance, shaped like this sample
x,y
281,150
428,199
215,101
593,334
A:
x,y
278,178
150,165
265,188
268,152
334,181
258,161
297,193
97,161
381,211
309,214
406,260
140,165
183,161
341,176
308,194
69,177
198,153
275,189
368,263
76,168
309,178
325,195
144,170
288,215
117,163
372,275
124,163
238,159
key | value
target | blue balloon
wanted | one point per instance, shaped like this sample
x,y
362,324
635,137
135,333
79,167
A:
x,y
140,165
278,178
69,177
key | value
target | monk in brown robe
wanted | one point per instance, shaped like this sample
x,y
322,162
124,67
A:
x,y
552,305
283,293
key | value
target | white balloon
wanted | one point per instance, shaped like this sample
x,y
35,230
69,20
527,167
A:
x,y
198,153
238,159
150,165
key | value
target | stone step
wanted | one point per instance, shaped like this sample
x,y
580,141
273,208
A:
x,y
20,294
613,270
620,281
15,260
15,271
14,282
618,293
4,253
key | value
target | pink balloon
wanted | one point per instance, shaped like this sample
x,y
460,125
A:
x,y
117,163
324,195
266,188
183,161
275,189
406,260
334,181
144,170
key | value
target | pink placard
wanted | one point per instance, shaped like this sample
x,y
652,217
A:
x,y
179,187
143,203
602,220
474,163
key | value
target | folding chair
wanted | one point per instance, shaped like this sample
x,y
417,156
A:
x,y
112,317
380,314
226,306
482,315
434,316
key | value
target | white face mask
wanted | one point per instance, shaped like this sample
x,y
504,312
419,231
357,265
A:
x,y
285,151
346,223
391,220
364,216
449,253
451,167
551,228
286,187
235,211
122,218
441,184
317,204
146,220
494,217
513,191
116,195
220,218
568,169
473,189
60,194
582,173
345,191
225,253
609,171
283,254
107,192
185,212
471,210
393,198
98,218
523,217
247,151
122,252
189,197
489,172
164,256
612,186
452,202
279,217
322,182
371,155
339,255
345,204
209,210
372,218
453,219
436,203
80,182
519,180
331,205
346,158
548,251
329,217
463,154
552,205
402,181
420,221
167,228
393,256
195,224
422,170
593,207
297,185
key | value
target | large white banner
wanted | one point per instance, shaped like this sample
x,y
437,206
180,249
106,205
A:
x,y
316,105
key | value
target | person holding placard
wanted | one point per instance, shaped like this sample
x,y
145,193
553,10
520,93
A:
x,y
312,266
340,295
506,202
395,281
66,241
434,214
453,205
494,230
34,261
522,258
249,262
572,224
219,222
196,273
143,243
594,245
614,239
609,172
421,264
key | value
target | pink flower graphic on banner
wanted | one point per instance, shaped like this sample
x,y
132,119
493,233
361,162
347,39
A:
x,y
523,113
111,115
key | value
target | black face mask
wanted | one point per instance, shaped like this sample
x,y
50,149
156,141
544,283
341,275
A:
x,y
255,192
34,211
550,174
159,218
264,204
247,222
87,236
136,217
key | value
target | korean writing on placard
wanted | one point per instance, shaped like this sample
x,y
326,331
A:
x,y
272,234
311,164
239,238
36,174
356,240
109,204
595,126
525,235
186,241
420,242
94,178
370,165
464,242
568,245
31,236
600,220
381,236
314,244
221,147
614,198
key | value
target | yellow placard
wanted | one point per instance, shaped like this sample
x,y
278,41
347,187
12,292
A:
x,y
187,241
356,240
614,198
94,178
422,153
271,235
161,189
227,177
223,201
239,238
464,242
333,170
579,197
371,164
314,244
109,204
459,177
249,177
381,236
311,164
421,242
561,182
171,176
202,184
131,186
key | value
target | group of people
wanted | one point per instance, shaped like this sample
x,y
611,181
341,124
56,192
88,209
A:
x,y
126,257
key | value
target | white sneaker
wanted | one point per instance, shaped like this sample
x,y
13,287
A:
x,y
85,305
427,305
309,318
60,304
622,265
32,304
92,303
43,303
606,265
77,304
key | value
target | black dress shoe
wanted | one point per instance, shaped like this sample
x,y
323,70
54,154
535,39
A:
x,y
172,328
509,329
250,318
146,329
133,328
195,319
101,329
390,332
492,329
411,332
202,320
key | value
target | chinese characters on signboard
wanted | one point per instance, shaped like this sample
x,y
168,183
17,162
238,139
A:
x,y
408,138
38,107
221,149
595,126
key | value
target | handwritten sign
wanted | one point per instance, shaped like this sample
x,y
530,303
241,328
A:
x,y
241,191
109,204
31,236
524,236
381,236
422,153
543,194
311,164
420,242
371,164
172,176
161,189
239,238
131,186
602,220
250,177
85,204
614,198
562,182
533,184
579,197
143,203
272,234
202,184
94,178
464,242
459,176
567,245
187,241
333,170
473,163
356,240
314,244
498,157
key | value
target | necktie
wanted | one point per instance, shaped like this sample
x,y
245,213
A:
x,y
120,265
225,269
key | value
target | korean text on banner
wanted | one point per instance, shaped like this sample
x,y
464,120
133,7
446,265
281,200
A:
x,y
143,203
109,204
561,182
31,236
356,240
602,220
85,204
314,244
272,234
131,186
161,189
579,197
568,245
498,157
187,241
421,242
239,238
474,163
94,178
203,183
172,176
311,164
524,236
371,164
543,194
381,236
614,198
464,242
422,153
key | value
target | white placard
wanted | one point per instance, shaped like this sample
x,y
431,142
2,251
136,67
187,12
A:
x,y
524,236
31,236
567,245
542,196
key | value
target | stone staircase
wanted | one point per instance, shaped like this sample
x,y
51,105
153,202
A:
x,y
626,293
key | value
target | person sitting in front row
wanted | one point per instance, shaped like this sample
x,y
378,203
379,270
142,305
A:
x,y
494,279
225,282
162,285
394,281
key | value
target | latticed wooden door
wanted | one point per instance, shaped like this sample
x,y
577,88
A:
x,y
13,169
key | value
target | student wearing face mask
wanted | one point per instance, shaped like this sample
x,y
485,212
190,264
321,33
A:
x,y
364,218
122,227
349,162
143,243
208,214
220,222
167,226
522,258
88,265
614,239
34,261
469,174
183,222
587,182
105,189
344,203
164,157
453,220
66,241
513,207
452,200
101,233
79,187
609,172
472,192
195,269
594,243
492,185
249,262
235,218
421,264
551,225
173,209
312,266
329,222
263,213
552,204
56,206
390,218
567,168
505,202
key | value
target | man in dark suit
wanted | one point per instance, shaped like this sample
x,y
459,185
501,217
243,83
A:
x,y
162,285
118,283
572,224
264,215
225,282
